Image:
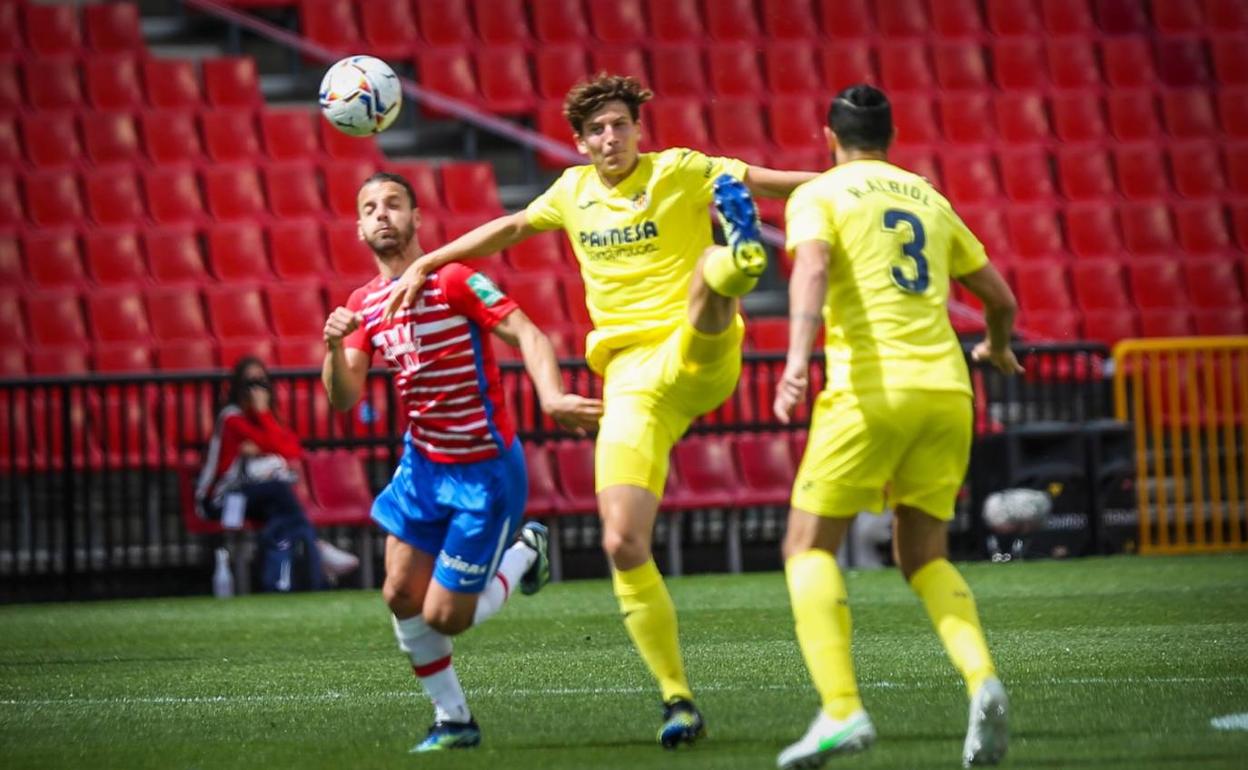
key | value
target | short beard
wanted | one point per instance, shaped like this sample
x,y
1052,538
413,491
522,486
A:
x,y
402,240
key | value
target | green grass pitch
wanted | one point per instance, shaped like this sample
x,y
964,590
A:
x,y
1110,663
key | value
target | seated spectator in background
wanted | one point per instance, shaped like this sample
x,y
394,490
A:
x,y
249,474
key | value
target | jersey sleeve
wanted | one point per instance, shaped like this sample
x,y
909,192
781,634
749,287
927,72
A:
x,y
807,218
546,210
474,295
358,339
967,254
698,172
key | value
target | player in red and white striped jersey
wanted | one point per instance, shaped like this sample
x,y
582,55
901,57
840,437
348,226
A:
x,y
455,503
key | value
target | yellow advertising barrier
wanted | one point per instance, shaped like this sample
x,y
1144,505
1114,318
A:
x,y
1187,398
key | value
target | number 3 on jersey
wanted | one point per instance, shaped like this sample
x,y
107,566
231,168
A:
x,y
914,250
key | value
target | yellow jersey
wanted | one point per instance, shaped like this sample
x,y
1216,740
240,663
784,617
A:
x,y
637,243
894,243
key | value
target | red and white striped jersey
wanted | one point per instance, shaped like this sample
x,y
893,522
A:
x,y
444,368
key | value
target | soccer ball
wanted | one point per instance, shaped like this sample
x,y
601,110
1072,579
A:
x,y
360,95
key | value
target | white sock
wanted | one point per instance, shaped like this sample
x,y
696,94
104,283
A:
x,y
515,562
430,653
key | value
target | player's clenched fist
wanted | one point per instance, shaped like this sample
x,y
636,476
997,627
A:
x,y
340,323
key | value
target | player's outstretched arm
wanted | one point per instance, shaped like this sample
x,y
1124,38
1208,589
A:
x,y
575,413
1000,307
483,240
808,287
345,369
773,183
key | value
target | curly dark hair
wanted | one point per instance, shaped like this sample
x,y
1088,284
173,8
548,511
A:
x,y
587,98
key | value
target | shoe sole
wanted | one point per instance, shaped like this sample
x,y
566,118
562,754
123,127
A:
x,y
735,206
993,733
683,738
852,745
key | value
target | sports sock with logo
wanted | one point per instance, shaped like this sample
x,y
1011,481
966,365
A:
x,y
722,274
650,618
951,606
822,621
516,561
430,653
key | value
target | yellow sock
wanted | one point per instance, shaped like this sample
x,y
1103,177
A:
x,y
724,276
951,606
650,618
821,612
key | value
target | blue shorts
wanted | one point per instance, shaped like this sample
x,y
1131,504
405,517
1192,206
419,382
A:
x,y
465,514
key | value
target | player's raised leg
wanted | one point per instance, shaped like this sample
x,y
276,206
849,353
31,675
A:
x,y
823,626
921,551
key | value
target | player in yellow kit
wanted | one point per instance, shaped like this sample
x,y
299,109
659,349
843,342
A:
x,y
875,249
666,337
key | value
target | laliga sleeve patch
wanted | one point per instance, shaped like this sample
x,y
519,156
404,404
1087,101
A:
x,y
485,289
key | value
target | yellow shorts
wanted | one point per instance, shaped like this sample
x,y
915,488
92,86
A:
x,y
919,441
652,392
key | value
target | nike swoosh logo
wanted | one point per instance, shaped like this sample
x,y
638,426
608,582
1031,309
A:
x,y
586,204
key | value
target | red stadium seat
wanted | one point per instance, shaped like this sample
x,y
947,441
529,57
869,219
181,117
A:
x,y
901,18
424,180
1197,169
559,67
702,464
967,118
124,358
55,362
55,317
559,21
53,258
957,18
506,85
113,197
51,139
1133,115
289,134
847,62
1170,322
767,467
389,29
543,497
1178,16
1027,174
1085,172
1018,63
541,253
1121,16
1158,283
733,69
348,257
10,142
12,324
1212,284
1146,228
788,19
1128,62
1052,325
988,224
300,352
1099,285
230,135
1202,227
52,198
1022,117
679,123
959,66
1226,15
343,179
675,21
1239,217
297,309
449,72
1073,64
173,195
173,255
52,29
1108,327
621,60
470,188
342,146
1034,230
846,19
10,200
293,190
914,120
574,296
233,192
113,82
970,176
918,161
1092,230
113,27
678,70
1078,116
1230,60
51,84
170,136
110,137
186,355
115,257
501,22
11,272
1237,166
298,249
731,20
10,88
1189,114
738,129
905,66
575,461
1042,286
171,83
236,312
236,252
1181,63
118,315
331,23
1014,17
614,21
232,81
539,297
1223,321
769,335
10,28
1141,171
790,68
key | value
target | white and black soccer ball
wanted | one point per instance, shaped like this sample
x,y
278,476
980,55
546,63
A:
x,y
360,95
1017,511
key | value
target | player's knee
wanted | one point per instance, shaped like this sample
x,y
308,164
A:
x,y
401,600
445,620
625,549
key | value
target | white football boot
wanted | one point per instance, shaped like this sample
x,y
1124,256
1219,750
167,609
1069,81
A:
x,y
826,737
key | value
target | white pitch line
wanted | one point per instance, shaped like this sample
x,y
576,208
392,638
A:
x,y
1230,722
329,697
